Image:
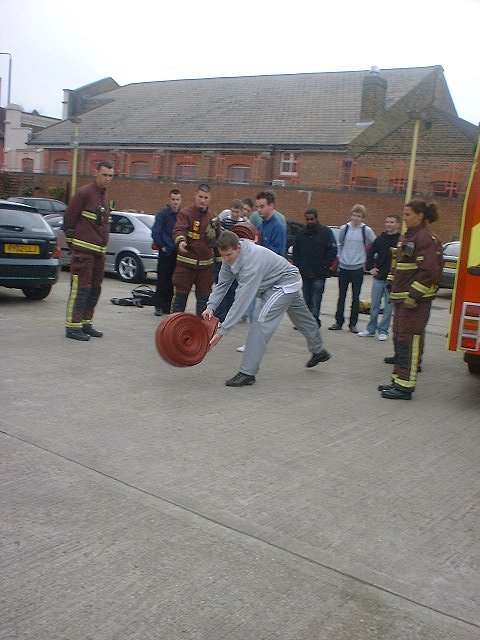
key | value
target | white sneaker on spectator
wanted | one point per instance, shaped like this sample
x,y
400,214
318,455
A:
x,y
241,348
382,336
365,334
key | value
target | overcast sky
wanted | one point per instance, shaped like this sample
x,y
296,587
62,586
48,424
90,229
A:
x,y
65,44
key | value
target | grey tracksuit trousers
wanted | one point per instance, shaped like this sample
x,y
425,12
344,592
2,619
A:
x,y
268,314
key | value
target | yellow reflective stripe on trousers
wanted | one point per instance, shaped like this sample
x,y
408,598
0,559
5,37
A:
x,y
192,261
89,215
88,245
409,384
72,298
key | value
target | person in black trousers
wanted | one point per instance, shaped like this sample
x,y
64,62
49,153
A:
x,y
354,241
313,252
167,251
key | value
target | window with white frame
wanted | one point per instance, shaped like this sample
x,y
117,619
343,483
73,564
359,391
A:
x,y
140,170
239,174
186,171
445,188
288,164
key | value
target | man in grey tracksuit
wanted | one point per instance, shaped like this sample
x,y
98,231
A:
x,y
268,276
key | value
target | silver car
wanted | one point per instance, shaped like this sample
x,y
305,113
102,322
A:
x,y
129,250
44,206
451,251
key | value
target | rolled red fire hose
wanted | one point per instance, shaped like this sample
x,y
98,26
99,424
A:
x,y
182,339
245,230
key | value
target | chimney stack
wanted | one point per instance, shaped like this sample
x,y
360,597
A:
x,y
374,92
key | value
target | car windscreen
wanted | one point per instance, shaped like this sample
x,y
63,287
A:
x,y
23,222
147,220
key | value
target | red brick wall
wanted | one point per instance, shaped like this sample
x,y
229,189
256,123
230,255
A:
x,y
333,205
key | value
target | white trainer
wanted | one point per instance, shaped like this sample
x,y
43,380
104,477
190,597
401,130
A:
x,y
365,334
241,348
382,336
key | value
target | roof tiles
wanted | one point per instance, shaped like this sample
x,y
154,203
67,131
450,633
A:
x,y
310,109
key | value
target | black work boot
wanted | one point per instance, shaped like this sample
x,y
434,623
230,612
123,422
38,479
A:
x,y
90,331
76,334
396,394
385,387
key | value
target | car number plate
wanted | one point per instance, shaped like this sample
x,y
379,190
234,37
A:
x,y
450,265
23,248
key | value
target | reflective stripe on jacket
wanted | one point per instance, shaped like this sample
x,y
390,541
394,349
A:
x,y
417,270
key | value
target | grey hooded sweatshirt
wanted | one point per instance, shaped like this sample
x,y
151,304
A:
x,y
256,269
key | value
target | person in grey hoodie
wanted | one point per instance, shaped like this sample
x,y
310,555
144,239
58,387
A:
x,y
354,241
270,277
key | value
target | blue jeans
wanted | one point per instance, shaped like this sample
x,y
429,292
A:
x,y
313,289
346,277
379,292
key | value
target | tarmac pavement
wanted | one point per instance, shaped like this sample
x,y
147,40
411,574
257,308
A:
x,y
145,501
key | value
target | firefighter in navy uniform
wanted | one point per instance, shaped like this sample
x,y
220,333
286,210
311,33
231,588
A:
x,y
414,280
195,233
87,226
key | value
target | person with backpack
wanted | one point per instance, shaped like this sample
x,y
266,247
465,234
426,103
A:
x,y
354,241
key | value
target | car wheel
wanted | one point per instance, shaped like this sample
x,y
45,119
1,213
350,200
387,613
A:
x,y
130,268
37,293
474,368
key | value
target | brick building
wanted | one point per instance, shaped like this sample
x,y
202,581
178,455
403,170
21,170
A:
x,y
16,128
320,139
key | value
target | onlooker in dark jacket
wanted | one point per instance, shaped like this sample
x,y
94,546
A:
x,y
162,235
379,258
313,252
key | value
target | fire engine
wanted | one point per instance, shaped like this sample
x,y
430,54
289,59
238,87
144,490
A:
x,y
464,331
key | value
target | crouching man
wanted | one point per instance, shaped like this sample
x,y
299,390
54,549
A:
x,y
278,284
